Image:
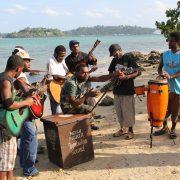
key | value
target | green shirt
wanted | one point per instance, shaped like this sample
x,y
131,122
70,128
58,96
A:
x,y
73,88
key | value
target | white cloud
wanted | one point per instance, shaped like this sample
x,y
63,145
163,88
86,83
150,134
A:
x,y
20,7
50,12
160,6
93,13
54,12
111,12
105,12
11,11
65,13
17,9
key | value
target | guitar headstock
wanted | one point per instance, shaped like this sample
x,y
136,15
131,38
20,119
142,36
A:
x,y
96,43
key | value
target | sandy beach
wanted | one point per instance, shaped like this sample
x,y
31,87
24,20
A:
x,y
116,158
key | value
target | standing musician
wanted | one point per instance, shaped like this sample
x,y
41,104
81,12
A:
x,y
75,93
8,146
124,90
170,60
77,56
28,142
58,71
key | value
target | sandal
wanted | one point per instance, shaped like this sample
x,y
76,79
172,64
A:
x,y
172,134
129,136
119,133
160,132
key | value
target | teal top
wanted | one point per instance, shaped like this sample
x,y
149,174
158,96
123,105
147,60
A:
x,y
171,63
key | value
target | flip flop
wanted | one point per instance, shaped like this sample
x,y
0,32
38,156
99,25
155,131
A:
x,y
160,132
119,133
129,136
172,135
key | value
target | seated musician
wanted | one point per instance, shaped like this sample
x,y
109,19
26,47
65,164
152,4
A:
x,y
8,145
29,142
76,95
58,71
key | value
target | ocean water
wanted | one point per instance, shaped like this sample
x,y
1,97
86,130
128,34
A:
x,y
41,49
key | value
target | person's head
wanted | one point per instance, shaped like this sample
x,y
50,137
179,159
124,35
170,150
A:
x,y
74,46
82,72
19,50
59,53
115,51
174,41
15,63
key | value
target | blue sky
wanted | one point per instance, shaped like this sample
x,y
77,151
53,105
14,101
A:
x,y
70,14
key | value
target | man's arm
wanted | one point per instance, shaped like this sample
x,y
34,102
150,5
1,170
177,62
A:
x,y
7,100
160,66
20,83
59,77
76,102
104,78
168,76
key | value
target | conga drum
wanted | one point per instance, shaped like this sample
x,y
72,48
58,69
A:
x,y
139,90
157,101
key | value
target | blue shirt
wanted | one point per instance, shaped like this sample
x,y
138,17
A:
x,y
171,63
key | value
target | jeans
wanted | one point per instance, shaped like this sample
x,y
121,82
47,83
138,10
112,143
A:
x,y
28,148
55,107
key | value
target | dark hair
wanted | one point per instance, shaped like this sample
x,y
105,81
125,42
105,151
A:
x,y
14,62
17,50
80,66
59,49
72,43
175,35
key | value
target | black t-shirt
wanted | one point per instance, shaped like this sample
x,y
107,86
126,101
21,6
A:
x,y
72,61
3,77
126,87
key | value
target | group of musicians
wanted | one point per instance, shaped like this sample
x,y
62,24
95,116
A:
x,y
77,95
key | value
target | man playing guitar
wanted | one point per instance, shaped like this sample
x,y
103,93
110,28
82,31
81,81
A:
x,y
58,72
8,145
28,143
76,56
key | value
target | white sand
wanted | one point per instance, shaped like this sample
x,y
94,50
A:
x,y
116,158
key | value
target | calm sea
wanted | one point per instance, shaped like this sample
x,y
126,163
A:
x,y
41,49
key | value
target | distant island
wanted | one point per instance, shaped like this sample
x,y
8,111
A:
x,y
81,31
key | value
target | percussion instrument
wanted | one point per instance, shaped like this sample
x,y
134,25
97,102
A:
x,y
139,90
157,101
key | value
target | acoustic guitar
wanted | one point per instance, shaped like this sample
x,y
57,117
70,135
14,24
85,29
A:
x,y
55,88
39,88
11,121
37,108
116,81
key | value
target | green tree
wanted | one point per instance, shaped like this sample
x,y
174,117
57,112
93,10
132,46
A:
x,y
173,22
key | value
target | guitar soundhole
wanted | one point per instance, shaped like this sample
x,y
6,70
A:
x,y
21,111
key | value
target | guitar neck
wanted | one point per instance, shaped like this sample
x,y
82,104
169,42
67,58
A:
x,y
94,47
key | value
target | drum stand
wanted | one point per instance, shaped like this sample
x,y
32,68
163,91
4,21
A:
x,y
151,133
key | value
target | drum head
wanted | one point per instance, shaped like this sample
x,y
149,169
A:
x,y
158,81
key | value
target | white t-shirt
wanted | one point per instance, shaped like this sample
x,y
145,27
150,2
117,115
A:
x,y
23,75
55,67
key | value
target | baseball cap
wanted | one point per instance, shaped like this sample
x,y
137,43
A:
x,y
73,42
113,48
22,53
